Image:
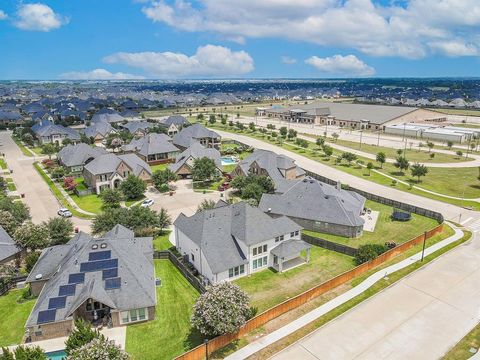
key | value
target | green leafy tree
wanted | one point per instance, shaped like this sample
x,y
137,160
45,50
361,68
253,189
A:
x,y
137,218
252,127
49,149
161,177
58,172
381,158
349,157
335,137
8,222
204,169
164,219
132,187
418,170
111,198
222,309
60,230
450,144
31,260
206,204
200,117
291,134
253,186
401,163
224,120
368,252
283,131
80,336
327,150
66,142
430,145
320,142
459,153
24,353
99,348
212,119
369,167
31,236
28,139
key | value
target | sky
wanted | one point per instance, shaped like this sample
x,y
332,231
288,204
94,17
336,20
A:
x,y
189,39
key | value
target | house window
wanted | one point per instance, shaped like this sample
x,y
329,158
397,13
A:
x,y
260,250
260,262
297,232
236,271
133,315
279,238
292,234
193,257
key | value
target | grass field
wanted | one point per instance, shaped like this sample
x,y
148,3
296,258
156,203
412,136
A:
x,y
158,167
169,335
385,230
461,351
14,317
91,203
268,288
458,111
161,242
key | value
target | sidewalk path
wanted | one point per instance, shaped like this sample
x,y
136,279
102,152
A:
x,y
295,325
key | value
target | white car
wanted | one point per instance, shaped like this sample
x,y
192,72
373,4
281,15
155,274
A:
x,y
147,203
64,213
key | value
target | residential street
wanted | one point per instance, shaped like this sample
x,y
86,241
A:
x,y
43,204
431,310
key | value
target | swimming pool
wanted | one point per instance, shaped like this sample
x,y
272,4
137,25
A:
x,y
227,160
57,355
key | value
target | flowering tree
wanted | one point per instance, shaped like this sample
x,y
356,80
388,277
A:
x,y
99,348
222,309
69,183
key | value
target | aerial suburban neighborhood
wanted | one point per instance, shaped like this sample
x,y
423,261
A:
x,y
197,180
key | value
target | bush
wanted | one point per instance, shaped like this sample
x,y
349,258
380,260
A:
x,y
369,252
24,353
99,348
80,336
31,260
164,188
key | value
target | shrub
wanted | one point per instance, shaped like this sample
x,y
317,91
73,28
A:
x,y
31,260
99,348
24,353
368,252
80,336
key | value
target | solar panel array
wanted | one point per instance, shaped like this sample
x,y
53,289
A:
x,y
113,283
99,255
77,278
109,273
57,302
46,316
98,265
67,290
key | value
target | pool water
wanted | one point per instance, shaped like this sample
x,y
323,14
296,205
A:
x,y
56,355
228,161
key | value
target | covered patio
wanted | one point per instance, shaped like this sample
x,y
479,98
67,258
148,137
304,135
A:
x,y
288,254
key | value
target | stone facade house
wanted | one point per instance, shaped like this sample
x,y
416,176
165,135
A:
x,y
184,162
99,131
55,134
173,124
74,157
108,281
197,133
153,148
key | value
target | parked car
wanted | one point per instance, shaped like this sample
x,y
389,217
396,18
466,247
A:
x,y
64,213
224,186
147,203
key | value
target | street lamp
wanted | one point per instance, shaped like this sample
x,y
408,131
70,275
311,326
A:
x,y
361,133
206,348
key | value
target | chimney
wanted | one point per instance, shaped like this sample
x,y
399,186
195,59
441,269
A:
x,y
339,185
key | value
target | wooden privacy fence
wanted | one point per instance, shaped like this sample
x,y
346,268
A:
x,y
330,245
217,343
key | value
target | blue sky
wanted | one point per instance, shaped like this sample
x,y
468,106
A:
x,y
88,39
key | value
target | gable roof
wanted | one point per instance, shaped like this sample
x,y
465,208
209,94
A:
x,y
196,151
98,128
313,200
134,126
54,129
132,256
76,155
110,118
151,144
178,120
189,135
7,245
219,231
108,163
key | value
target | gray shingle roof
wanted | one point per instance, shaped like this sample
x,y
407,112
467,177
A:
x,y
108,163
289,248
110,118
76,155
7,245
134,126
151,144
218,231
178,120
98,128
196,151
313,200
135,269
193,133
54,129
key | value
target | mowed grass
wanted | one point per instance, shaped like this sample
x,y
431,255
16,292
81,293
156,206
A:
x,y
385,229
169,335
14,317
461,351
268,288
91,203
161,242
159,167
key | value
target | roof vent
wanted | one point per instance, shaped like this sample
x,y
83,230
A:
x,y
305,180
38,276
312,181
94,247
103,245
269,210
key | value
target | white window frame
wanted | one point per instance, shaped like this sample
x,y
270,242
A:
x,y
133,313
262,260
236,271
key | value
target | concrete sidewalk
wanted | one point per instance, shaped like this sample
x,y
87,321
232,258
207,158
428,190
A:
x,y
297,324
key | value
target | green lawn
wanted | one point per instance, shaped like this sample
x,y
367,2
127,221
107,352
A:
x,y
385,230
37,150
161,242
11,186
159,167
3,164
461,351
91,203
22,147
14,316
268,288
169,335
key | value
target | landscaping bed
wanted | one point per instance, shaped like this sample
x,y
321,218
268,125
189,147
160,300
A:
x,y
169,335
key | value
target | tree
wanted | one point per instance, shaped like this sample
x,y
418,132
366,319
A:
x,y
430,145
327,150
419,170
162,177
200,117
28,139
222,309
206,204
99,348
381,158
60,229
335,137
18,209
320,142
368,252
252,127
8,222
204,169
402,163
399,152
291,134
224,120
164,219
66,142
23,353
283,131
253,186
58,172
48,149
31,259
253,191
212,119
137,218
459,153
349,157
450,144
133,187
32,237
69,183
369,167
80,336
111,198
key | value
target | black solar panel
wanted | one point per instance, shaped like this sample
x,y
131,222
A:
x,y
98,265
46,316
109,273
77,278
114,283
66,290
99,255
57,302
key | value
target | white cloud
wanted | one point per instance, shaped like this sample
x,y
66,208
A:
x,y
348,65
288,60
99,74
208,61
3,15
415,29
38,17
